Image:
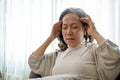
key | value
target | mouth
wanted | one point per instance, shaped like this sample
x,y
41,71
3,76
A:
x,y
70,39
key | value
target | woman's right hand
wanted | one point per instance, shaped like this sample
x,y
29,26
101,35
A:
x,y
55,30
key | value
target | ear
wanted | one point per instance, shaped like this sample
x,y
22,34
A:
x,y
85,28
88,38
85,33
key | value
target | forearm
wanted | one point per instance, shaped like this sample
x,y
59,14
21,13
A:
x,y
107,58
40,51
100,39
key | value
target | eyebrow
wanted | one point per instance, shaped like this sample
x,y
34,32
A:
x,y
70,24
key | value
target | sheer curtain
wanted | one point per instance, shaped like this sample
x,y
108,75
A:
x,y
25,24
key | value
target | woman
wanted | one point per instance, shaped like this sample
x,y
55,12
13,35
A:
x,y
77,56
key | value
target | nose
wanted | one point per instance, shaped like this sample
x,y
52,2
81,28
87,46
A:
x,y
69,31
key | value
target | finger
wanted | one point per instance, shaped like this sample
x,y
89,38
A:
x,y
57,26
58,23
85,20
89,17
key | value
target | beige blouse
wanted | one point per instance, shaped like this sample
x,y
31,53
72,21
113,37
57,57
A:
x,y
91,62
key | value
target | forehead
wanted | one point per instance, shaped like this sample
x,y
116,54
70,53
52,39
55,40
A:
x,y
70,17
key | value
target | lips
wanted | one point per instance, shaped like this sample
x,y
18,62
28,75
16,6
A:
x,y
70,39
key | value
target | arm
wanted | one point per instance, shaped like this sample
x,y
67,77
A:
x,y
107,58
92,30
55,33
100,39
40,51
40,63
107,55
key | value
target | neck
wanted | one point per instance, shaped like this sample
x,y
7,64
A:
x,y
77,44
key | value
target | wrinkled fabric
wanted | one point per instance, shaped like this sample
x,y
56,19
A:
x,y
106,56
60,77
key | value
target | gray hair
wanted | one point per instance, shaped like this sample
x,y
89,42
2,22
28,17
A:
x,y
63,46
77,11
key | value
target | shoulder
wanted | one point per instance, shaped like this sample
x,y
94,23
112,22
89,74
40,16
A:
x,y
91,45
52,54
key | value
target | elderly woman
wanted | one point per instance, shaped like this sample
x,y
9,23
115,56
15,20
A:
x,y
78,58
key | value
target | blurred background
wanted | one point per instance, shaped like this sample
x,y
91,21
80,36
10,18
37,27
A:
x,y
25,25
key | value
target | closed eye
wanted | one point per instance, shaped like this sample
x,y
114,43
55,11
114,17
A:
x,y
74,27
64,26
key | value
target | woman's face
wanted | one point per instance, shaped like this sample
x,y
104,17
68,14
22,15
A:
x,y
72,29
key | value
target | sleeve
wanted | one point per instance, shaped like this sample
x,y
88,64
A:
x,y
107,58
43,64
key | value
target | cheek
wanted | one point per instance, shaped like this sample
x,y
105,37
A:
x,y
79,34
63,32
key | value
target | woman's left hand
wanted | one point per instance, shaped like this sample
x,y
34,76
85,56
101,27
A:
x,y
90,28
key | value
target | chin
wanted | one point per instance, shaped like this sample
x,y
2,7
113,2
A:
x,y
71,44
